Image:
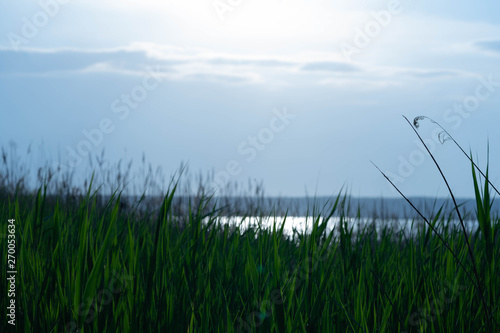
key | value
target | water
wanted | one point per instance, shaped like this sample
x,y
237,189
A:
x,y
303,224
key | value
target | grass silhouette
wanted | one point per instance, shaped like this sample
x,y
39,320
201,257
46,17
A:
x,y
90,261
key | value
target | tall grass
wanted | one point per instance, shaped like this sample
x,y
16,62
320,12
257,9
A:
x,y
89,266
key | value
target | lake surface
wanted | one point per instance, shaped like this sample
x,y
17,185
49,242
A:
x,y
305,223
396,213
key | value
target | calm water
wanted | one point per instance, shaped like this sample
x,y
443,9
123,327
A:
x,y
303,223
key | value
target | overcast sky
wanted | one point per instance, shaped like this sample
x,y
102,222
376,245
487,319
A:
x,y
300,94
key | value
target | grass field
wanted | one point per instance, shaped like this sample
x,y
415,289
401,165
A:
x,y
87,267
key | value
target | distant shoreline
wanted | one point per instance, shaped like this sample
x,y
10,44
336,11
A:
x,y
366,207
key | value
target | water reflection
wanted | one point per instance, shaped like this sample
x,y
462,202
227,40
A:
x,y
299,224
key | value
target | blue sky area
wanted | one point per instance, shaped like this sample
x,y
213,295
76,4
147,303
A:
x,y
300,94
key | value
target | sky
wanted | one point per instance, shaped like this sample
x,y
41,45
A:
x,y
301,95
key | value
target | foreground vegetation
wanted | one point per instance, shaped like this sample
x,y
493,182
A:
x,y
87,267
103,270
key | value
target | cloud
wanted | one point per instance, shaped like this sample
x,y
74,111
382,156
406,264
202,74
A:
x,y
365,84
194,64
433,73
252,62
130,60
42,61
222,78
329,66
184,63
488,45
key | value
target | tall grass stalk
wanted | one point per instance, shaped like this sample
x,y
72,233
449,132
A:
x,y
448,136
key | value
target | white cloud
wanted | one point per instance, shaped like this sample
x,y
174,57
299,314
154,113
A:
x,y
177,63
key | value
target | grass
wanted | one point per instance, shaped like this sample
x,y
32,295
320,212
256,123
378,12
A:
x,y
89,266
